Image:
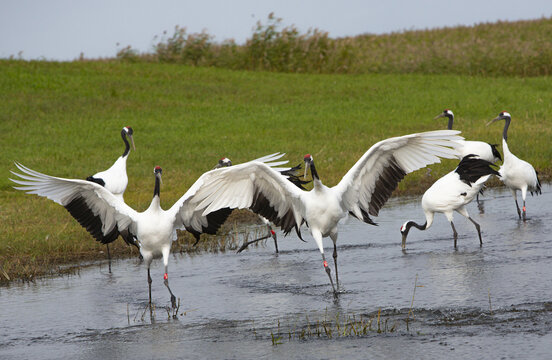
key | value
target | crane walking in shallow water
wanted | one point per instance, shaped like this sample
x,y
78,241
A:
x,y
362,191
154,228
452,193
515,173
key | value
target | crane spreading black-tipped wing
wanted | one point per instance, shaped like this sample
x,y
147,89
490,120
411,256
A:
x,y
369,183
252,185
102,214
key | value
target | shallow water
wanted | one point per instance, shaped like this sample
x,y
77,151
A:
x,y
491,301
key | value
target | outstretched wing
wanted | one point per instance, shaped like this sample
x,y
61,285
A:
x,y
368,184
252,185
94,207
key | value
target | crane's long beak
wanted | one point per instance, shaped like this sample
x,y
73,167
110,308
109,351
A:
x,y
217,166
493,120
307,164
439,116
403,245
132,141
159,177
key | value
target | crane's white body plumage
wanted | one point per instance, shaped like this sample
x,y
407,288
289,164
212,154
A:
x,y
449,194
452,193
517,174
115,178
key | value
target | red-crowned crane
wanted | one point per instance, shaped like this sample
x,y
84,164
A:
x,y
154,228
115,180
362,191
452,193
515,173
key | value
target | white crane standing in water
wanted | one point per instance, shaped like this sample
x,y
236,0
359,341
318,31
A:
x,y
515,173
452,193
99,211
362,191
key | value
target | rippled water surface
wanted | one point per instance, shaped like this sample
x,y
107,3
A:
x,y
472,302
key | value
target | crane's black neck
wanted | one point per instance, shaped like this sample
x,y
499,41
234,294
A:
x,y
127,145
157,189
418,226
450,121
506,125
313,171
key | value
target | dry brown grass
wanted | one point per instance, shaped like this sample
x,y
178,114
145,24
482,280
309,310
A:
x,y
521,48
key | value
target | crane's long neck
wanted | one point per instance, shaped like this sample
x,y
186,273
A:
x,y
450,121
505,131
157,189
127,145
315,178
416,225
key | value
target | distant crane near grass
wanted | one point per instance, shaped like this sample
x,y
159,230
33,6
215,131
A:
x,y
115,180
515,173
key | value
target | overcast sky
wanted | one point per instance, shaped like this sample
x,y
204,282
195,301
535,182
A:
x,y
62,29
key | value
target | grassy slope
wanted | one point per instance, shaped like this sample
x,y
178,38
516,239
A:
x,y
64,119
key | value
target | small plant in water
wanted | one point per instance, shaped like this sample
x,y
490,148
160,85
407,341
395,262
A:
x,y
338,327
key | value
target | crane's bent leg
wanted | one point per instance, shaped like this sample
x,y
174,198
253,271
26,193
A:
x,y
318,238
166,282
478,230
329,272
454,234
166,251
246,244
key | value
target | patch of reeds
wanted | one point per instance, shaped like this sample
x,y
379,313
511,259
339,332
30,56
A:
x,y
336,326
521,48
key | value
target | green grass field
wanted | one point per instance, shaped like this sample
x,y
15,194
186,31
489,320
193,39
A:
x,y
65,119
